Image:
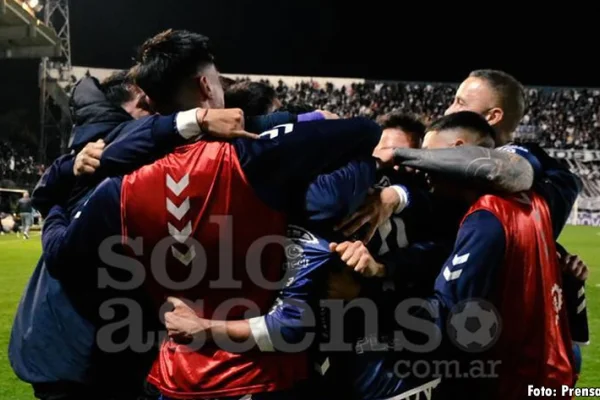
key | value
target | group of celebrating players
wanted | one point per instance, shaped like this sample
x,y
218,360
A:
x,y
294,255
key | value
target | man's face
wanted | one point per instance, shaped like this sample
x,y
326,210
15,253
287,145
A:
x,y
396,137
138,106
475,95
437,140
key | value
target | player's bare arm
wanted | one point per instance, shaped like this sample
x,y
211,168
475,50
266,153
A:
x,y
185,326
496,170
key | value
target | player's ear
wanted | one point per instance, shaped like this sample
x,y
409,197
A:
x,y
459,142
494,116
204,86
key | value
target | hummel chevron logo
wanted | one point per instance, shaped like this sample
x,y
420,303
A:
x,y
178,212
451,276
184,258
183,235
178,187
457,260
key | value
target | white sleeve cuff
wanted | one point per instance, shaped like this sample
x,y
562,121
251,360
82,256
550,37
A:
x,y
260,334
404,198
187,124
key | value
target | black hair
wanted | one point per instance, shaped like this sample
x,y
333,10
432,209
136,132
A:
x,y
254,98
167,60
407,122
297,108
511,94
117,87
226,82
468,120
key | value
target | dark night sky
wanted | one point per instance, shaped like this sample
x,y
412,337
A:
x,y
330,38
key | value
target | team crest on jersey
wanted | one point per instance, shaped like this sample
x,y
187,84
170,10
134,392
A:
x,y
299,234
294,255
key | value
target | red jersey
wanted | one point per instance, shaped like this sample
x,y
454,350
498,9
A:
x,y
199,199
535,343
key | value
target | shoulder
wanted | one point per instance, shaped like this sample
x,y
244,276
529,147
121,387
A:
x,y
482,225
108,190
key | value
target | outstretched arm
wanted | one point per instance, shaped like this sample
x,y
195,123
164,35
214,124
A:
x,y
496,170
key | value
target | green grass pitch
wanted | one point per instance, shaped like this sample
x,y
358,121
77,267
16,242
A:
x,y
18,258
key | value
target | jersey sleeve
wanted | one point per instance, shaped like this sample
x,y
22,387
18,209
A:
x,y
68,246
262,123
55,185
472,269
334,195
292,316
559,186
141,142
526,154
284,160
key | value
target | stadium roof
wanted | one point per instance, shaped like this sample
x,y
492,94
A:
x,y
23,35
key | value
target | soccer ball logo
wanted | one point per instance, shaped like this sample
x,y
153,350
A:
x,y
474,325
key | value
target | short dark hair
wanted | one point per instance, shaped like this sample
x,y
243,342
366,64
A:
x,y
468,120
117,87
226,82
511,93
167,60
409,123
254,98
298,108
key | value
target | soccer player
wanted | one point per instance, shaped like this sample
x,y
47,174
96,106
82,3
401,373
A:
x,y
257,182
500,98
505,254
51,345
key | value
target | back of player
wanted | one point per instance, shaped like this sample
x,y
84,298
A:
x,y
209,256
535,343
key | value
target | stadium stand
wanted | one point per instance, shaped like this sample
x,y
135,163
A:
x,y
563,120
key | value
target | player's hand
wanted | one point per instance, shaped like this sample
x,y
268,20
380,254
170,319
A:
x,y
183,325
377,209
328,114
343,286
385,157
227,123
575,266
88,159
356,256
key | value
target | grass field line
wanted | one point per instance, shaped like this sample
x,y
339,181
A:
x,y
16,239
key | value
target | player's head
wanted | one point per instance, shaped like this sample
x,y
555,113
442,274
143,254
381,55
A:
x,y
400,130
120,90
176,70
25,195
254,98
460,128
496,95
226,82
